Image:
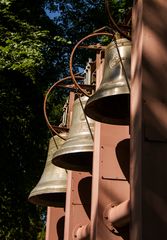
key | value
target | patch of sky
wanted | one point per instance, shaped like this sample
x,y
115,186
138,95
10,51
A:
x,y
52,11
52,15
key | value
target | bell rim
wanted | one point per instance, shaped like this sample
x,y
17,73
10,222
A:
x,y
44,200
75,163
92,112
47,190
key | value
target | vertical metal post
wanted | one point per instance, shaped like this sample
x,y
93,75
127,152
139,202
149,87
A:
x,y
148,121
110,184
70,106
56,216
136,123
55,224
78,200
96,157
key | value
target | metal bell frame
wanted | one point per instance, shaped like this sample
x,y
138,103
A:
x,y
57,84
113,121
51,188
84,152
111,101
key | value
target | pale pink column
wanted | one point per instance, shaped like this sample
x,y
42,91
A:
x,y
96,158
55,223
149,121
110,184
78,202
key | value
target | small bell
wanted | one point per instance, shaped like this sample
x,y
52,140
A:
x,y
51,188
77,151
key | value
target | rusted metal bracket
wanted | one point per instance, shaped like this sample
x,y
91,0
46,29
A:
x,y
94,47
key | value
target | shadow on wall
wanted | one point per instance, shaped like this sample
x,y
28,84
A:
x,y
123,156
84,190
60,228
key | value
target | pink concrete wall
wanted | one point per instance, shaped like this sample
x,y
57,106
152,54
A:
x,y
149,121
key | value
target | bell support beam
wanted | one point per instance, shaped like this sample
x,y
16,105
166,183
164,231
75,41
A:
x,y
70,107
78,203
55,223
148,177
110,175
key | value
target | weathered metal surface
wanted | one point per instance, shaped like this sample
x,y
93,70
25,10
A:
x,y
111,102
76,153
51,188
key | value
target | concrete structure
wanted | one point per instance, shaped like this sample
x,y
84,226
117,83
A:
x,y
148,121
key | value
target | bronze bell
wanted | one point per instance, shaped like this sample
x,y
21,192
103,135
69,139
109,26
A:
x,y
77,151
51,188
111,102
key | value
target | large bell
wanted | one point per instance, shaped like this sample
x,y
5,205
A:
x,y
111,102
51,188
77,151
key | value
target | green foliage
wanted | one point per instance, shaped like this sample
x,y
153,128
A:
x,y
24,46
22,156
80,18
60,39
21,44
120,10
55,108
26,57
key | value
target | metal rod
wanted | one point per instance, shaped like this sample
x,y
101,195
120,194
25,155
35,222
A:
x,y
119,215
82,232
